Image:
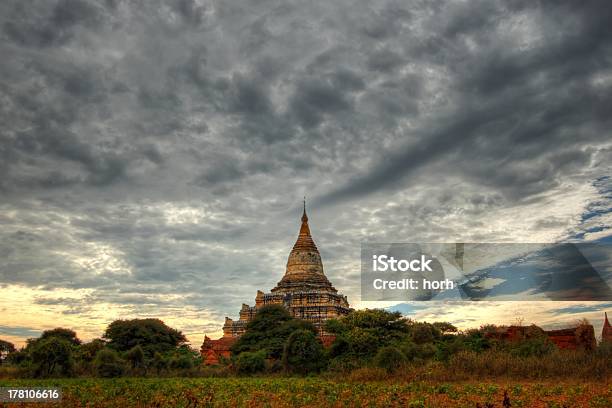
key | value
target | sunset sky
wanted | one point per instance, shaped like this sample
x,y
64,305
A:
x,y
154,155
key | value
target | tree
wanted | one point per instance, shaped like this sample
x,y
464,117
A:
x,y
444,327
108,364
181,362
185,357
422,332
303,352
361,333
389,358
62,333
136,357
387,326
87,351
50,356
150,334
159,363
5,349
251,362
268,331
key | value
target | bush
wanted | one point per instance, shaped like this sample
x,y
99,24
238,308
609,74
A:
x,y
421,332
536,347
160,363
108,364
136,357
51,356
269,331
251,362
303,353
389,358
181,363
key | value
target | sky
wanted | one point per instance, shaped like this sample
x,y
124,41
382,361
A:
x,y
154,155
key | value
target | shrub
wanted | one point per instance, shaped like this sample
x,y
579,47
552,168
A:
x,y
537,347
159,362
251,362
152,335
108,364
303,353
422,332
135,356
269,330
181,363
409,349
50,356
389,358
426,351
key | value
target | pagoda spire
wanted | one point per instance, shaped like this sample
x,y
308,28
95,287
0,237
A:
x,y
304,216
304,267
304,234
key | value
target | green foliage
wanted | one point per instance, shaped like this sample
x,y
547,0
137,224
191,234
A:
x,y
376,390
51,356
409,349
19,358
268,331
136,357
389,358
251,362
61,333
475,340
5,349
387,325
87,351
536,347
181,362
303,353
108,364
150,334
422,332
160,363
444,327
361,333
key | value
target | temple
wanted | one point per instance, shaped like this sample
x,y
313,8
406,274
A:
x,y
304,291
606,332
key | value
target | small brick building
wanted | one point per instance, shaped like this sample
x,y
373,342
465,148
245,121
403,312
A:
x,y
606,332
579,337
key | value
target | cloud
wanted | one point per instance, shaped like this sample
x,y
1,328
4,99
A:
x,y
153,158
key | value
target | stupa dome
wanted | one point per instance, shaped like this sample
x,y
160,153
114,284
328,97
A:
x,y
304,267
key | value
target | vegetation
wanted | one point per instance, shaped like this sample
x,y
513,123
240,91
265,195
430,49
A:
x,y
369,344
389,358
303,353
250,362
129,347
268,332
6,348
107,364
315,391
152,335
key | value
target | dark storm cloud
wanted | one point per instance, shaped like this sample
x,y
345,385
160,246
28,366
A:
x,y
526,99
151,149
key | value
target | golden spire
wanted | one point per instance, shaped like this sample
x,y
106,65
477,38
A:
x,y
304,267
304,240
304,216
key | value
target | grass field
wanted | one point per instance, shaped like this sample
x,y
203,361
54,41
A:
x,y
289,392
